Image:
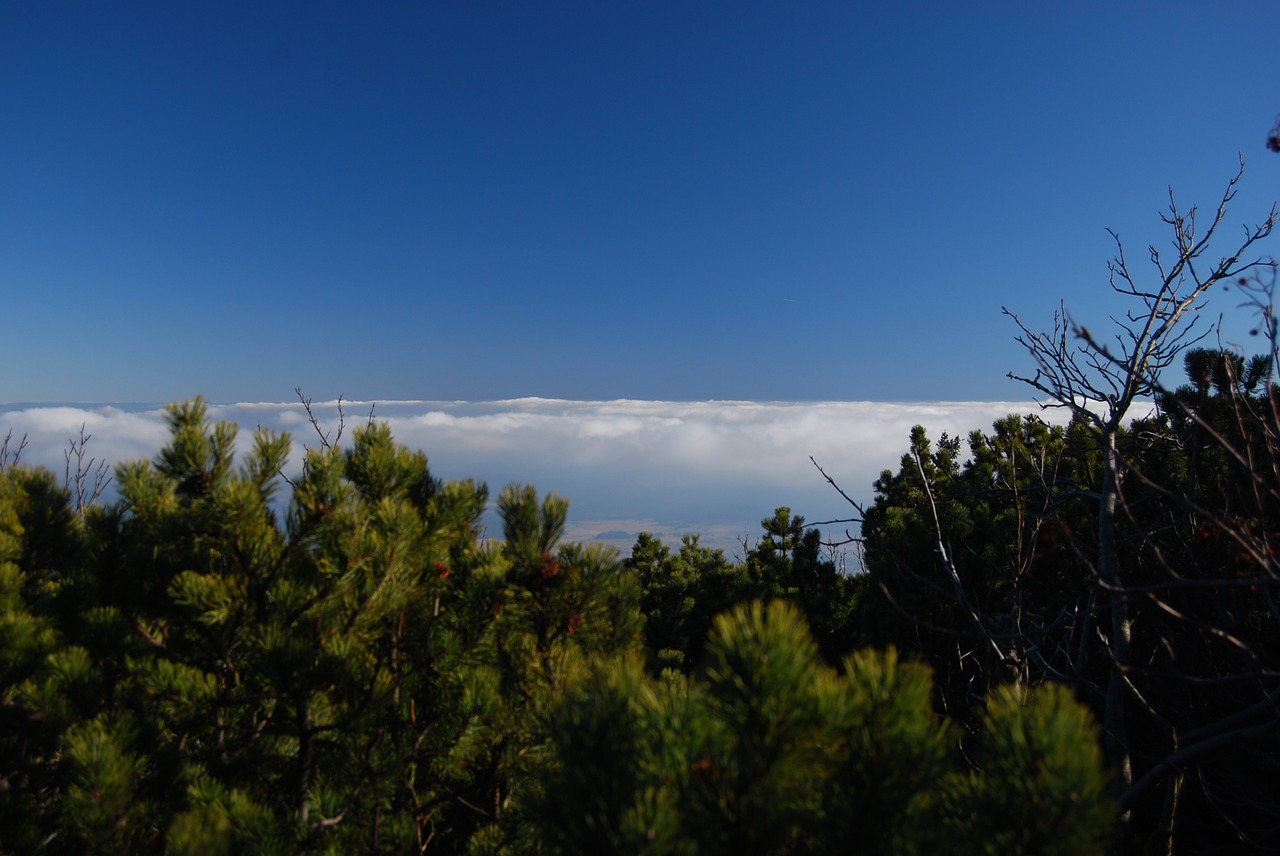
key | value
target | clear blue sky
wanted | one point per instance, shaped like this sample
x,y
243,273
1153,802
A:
x,y
594,200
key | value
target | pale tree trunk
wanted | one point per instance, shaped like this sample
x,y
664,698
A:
x,y
305,741
1109,574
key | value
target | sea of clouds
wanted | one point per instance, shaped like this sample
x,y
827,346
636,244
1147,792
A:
x,y
712,467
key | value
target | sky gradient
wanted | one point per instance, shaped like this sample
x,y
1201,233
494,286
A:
x,y
595,200
648,255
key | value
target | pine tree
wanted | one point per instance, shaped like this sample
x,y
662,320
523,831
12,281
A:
x,y
766,751
209,666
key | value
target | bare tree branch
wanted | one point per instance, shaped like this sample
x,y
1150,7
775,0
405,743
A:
x,y
11,456
87,479
328,439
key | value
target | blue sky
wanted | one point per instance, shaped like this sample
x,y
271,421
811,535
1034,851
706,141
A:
x,y
594,200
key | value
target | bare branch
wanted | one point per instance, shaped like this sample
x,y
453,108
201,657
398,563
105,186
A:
x,y
326,440
1196,746
11,456
87,479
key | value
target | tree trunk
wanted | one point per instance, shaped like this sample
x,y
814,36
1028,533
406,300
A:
x,y
1117,741
305,740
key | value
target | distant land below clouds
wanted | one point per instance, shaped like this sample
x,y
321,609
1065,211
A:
x,y
716,468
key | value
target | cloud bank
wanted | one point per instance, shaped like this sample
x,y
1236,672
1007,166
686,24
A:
x,y
714,467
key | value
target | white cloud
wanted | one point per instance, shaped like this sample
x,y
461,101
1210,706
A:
x,y
717,466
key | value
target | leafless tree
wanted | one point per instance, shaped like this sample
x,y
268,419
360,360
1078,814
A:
x,y
1100,379
1105,381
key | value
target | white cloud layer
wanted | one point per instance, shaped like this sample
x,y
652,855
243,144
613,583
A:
x,y
715,467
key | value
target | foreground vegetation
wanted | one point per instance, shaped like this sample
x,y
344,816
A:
x,y
184,673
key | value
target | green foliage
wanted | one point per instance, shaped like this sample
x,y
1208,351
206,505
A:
x,y
207,666
788,563
1039,790
1012,520
102,809
762,687
682,595
684,591
601,788
766,751
888,753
